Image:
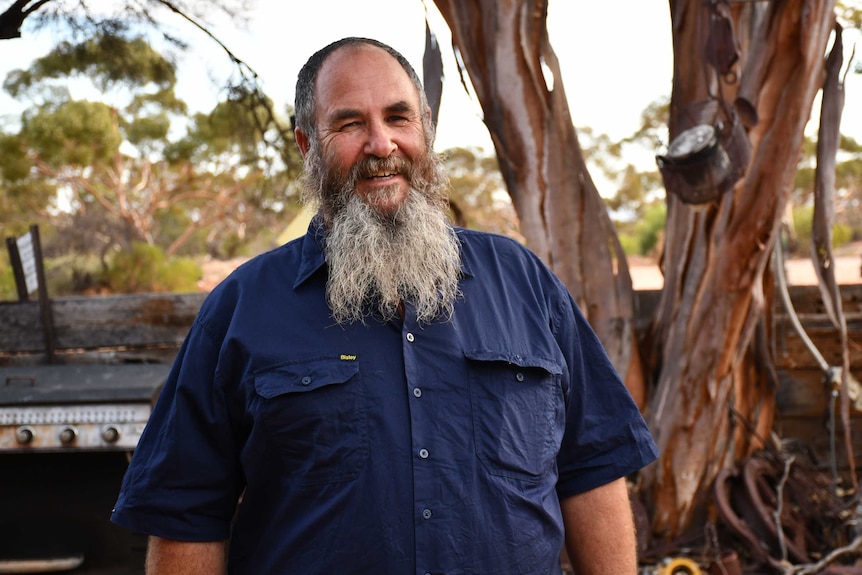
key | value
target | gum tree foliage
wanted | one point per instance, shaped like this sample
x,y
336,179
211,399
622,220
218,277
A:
x,y
633,194
81,18
173,23
131,165
478,197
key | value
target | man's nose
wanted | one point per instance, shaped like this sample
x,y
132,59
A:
x,y
380,140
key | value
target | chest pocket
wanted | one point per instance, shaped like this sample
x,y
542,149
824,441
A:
x,y
518,412
314,414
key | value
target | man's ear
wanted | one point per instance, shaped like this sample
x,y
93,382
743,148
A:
x,y
301,141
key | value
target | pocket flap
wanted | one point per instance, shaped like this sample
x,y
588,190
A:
x,y
550,365
304,376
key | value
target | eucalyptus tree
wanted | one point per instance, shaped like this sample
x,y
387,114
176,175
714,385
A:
x,y
130,164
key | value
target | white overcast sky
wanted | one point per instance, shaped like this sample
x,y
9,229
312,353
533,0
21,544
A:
x,y
616,57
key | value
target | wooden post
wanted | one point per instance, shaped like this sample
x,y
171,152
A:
x,y
44,302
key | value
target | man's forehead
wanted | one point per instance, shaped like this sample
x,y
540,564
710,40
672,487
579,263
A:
x,y
346,63
348,52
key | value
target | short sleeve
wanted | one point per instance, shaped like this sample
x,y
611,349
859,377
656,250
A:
x,y
184,478
606,436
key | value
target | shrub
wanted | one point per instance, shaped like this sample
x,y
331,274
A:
x,y
146,268
650,227
73,274
803,221
631,244
7,283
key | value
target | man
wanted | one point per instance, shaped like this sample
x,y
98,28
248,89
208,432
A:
x,y
387,394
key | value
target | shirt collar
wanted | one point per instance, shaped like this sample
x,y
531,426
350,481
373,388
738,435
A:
x,y
313,258
312,251
466,270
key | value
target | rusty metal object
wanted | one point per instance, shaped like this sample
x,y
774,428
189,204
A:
x,y
709,154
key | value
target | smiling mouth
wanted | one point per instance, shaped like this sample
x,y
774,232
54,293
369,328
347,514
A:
x,y
379,169
382,176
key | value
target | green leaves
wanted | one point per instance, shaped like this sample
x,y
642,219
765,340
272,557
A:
x,y
75,133
108,60
133,167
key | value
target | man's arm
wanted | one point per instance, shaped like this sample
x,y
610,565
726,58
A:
x,y
600,530
169,557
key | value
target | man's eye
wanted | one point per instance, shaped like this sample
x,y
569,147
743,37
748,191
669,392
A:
x,y
398,119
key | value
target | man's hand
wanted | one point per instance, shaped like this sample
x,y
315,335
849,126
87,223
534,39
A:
x,y
600,531
169,557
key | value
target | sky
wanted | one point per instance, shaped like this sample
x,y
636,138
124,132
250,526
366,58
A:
x,y
615,57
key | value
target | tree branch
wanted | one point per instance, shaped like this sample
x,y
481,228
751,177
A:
x,y
13,18
250,78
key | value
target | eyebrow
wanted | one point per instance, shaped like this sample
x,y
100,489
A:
x,y
400,106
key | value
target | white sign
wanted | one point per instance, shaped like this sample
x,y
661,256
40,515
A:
x,y
28,262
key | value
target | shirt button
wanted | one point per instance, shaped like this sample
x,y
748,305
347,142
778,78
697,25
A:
x,y
426,514
423,453
410,337
417,392
519,376
306,380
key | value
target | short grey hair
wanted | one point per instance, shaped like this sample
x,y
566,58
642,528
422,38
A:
x,y
304,104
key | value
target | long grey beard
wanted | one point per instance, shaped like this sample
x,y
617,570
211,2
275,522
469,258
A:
x,y
376,262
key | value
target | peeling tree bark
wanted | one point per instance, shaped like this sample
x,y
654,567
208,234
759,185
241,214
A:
x,y
712,405
504,47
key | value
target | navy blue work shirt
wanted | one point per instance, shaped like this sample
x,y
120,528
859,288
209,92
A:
x,y
386,448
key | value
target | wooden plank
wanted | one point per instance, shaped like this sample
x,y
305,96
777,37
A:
x,y
129,320
807,300
791,351
801,393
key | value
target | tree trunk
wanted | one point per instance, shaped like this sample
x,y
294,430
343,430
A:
x,y
505,49
714,400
